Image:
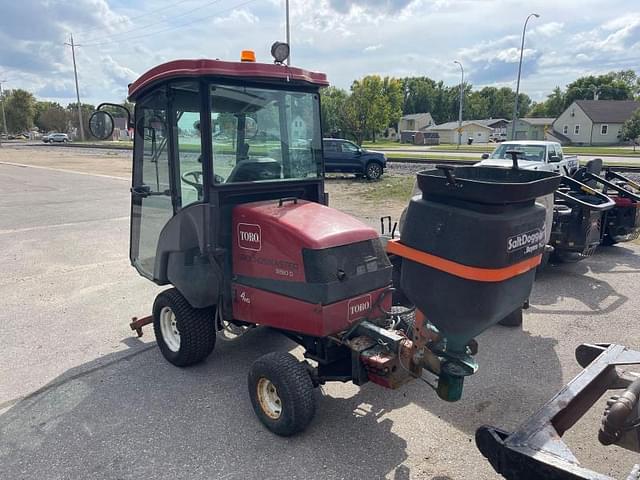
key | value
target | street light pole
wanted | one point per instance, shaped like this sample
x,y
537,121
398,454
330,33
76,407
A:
x,y
288,32
515,106
4,117
460,106
75,74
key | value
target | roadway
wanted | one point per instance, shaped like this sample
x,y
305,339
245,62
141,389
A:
x,y
81,397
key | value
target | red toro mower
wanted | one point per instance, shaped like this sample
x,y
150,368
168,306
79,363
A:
x,y
228,206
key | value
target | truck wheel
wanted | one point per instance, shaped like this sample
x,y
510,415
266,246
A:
x,y
608,241
514,319
373,171
281,393
185,335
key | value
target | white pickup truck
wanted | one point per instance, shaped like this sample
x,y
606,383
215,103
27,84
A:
x,y
536,155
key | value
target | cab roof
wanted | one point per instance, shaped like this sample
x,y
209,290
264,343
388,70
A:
x,y
218,68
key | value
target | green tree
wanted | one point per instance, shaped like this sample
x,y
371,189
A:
x,y
610,86
631,129
51,116
367,110
87,109
332,102
394,98
20,110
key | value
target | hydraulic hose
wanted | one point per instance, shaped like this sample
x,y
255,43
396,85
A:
x,y
619,408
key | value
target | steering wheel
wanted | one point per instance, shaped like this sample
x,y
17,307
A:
x,y
194,178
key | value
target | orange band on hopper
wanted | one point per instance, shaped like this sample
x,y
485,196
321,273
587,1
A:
x,y
463,271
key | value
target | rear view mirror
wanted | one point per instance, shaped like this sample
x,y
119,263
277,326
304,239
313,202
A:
x,y
250,128
554,159
101,124
485,156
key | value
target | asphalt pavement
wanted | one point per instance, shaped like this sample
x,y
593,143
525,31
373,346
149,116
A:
x,y
82,397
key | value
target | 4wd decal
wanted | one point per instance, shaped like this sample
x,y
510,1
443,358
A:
x,y
358,307
530,241
250,236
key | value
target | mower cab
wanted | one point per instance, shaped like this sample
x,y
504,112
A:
x,y
228,206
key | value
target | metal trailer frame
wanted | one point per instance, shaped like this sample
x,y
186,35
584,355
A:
x,y
536,450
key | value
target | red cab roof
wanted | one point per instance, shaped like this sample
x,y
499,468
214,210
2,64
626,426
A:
x,y
219,68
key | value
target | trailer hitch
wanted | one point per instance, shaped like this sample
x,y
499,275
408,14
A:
x,y
536,449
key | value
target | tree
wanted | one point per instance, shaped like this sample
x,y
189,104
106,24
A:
x,y
366,108
51,116
87,109
394,96
610,86
19,108
332,102
631,129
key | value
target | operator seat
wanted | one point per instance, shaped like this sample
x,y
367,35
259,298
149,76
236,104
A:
x,y
255,170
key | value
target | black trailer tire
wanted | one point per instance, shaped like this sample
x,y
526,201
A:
x,y
373,170
185,335
282,393
514,319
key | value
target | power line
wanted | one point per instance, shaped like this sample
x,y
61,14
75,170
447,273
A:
x,y
175,27
144,27
146,14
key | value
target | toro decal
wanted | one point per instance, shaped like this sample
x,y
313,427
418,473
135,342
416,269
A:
x,y
358,307
529,241
249,236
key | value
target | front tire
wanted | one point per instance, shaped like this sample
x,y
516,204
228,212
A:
x,y
373,170
185,335
281,393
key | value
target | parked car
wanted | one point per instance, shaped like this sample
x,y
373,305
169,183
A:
x,y
344,156
56,138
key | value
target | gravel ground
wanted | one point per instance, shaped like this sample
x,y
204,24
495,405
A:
x,y
80,397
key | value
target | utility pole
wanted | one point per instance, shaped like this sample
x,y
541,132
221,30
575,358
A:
x,y
461,100
288,32
75,74
4,116
515,106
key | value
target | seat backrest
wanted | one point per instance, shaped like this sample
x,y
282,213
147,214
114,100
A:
x,y
255,170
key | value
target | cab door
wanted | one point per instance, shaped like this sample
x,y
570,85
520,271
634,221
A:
x,y
152,204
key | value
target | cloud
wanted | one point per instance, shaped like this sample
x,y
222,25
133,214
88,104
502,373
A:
x,y
372,48
347,39
384,6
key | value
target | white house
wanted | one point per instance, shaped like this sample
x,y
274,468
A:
x,y
448,132
594,122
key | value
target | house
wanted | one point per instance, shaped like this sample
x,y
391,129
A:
x,y
499,126
471,129
594,122
298,128
412,123
121,129
532,128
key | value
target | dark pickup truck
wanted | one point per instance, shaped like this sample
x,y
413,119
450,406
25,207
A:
x,y
345,156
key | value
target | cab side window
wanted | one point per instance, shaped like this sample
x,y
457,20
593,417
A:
x,y
187,141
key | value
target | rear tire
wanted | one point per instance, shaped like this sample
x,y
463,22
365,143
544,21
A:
x,y
514,319
282,393
373,170
185,335
607,241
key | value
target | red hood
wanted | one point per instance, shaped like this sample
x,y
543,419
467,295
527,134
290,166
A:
x,y
315,226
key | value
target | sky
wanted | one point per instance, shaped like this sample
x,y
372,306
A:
x,y
347,39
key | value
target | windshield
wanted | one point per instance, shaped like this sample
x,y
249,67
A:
x,y
534,153
264,135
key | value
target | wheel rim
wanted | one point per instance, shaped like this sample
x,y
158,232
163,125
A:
x,y
269,399
374,170
169,329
